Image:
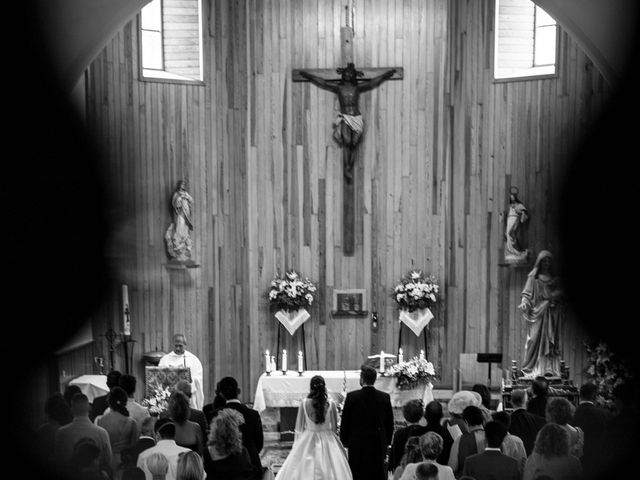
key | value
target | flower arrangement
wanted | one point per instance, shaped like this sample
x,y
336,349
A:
x,y
607,370
158,401
411,373
291,292
416,291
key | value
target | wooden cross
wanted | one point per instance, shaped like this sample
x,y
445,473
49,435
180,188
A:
x,y
348,94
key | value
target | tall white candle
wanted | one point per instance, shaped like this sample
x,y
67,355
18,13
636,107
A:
x,y
400,356
273,363
284,360
267,362
381,361
300,362
126,312
421,354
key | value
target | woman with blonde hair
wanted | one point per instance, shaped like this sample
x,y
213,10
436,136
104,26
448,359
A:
x,y
158,466
190,467
225,456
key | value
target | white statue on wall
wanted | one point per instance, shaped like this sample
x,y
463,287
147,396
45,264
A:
x,y
178,236
516,216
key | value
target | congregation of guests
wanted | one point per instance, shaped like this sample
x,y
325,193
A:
x,y
115,438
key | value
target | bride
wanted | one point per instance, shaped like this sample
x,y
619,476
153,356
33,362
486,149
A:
x,y
317,451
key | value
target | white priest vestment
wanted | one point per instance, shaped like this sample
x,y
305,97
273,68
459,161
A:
x,y
189,360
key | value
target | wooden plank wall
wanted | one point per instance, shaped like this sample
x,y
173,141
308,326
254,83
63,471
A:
x,y
441,148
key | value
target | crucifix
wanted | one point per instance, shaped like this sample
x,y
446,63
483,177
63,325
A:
x,y
347,83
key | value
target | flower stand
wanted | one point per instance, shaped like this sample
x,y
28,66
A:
x,y
291,321
417,321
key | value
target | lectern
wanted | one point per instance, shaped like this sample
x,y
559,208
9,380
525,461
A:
x,y
489,358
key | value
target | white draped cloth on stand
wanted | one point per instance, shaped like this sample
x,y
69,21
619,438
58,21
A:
x,y
189,360
292,320
416,320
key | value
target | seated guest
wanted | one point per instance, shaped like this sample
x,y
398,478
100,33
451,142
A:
x,y
469,443
165,430
459,401
195,415
431,448
540,394
433,415
524,425
512,446
412,412
129,456
251,429
492,464
551,456
58,414
188,433
86,461
190,467
81,427
412,454
100,404
560,411
592,420
225,456
136,411
210,410
158,466
427,471
122,429
485,398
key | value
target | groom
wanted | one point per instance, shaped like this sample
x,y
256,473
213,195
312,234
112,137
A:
x,y
367,427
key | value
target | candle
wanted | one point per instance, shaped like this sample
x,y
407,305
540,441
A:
x,y
284,360
400,356
381,361
421,354
273,363
300,364
125,310
267,362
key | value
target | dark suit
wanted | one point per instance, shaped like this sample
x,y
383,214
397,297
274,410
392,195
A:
x,y
593,422
447,441
98,406
252,434
400,438
538,406
129,456
491,465
198,417
366,429
526,426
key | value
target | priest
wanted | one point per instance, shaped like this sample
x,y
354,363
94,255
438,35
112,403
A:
x,y
180,357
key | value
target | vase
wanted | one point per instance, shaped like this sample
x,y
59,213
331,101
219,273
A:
x,y
293,319
416,320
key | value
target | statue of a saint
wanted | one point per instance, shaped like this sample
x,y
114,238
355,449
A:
x,y
542,308
517,215
178,236
349,126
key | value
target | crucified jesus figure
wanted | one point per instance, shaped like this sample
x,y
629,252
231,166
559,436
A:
x,y
349,126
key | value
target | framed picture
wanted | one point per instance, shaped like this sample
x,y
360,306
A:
x,y
350,302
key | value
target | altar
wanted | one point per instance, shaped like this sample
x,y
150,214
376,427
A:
x,y
279,390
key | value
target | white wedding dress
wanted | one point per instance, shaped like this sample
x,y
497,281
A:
x,y
317,453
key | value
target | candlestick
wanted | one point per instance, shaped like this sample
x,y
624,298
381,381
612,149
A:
x,y
125,310
421,354
284,362
273,363
381,361
300,363
400,356
267,362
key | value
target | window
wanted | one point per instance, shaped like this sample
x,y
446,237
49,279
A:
x,y
525,40
171,40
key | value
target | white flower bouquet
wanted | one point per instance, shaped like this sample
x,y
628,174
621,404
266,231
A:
x,y
291,292
416,291
158,401
411,373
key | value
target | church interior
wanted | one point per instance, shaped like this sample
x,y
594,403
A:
x,y
204,100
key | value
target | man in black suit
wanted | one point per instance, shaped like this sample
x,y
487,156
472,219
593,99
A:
x,y
593,422
524,424
195,415
367,427
492,464
100,404
252,434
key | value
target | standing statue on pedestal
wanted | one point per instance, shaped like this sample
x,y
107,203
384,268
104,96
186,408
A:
x,y
542,308
178,236
517,215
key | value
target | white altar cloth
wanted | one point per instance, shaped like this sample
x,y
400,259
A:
x,y
91,385
278,390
